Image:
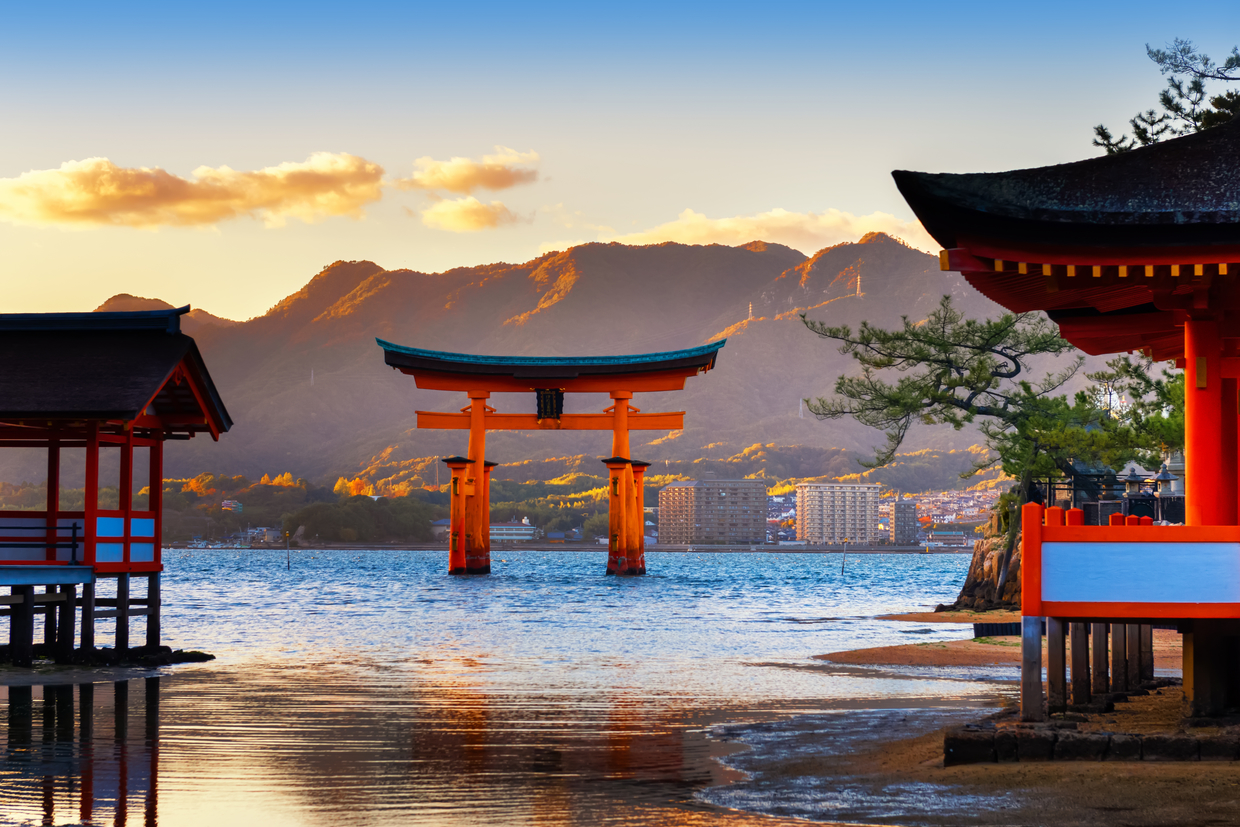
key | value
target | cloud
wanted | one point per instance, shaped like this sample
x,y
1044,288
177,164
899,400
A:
x,y
97,192
467,215
464,175
807,232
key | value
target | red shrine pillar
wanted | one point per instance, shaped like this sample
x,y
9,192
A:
x,y
457,529
637,554
477,523
1210,499
618,469
483,554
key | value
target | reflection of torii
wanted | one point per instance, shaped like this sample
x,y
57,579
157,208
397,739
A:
x,y
549,378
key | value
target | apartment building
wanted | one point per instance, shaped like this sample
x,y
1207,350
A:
x,y
713,511
904,523
829,512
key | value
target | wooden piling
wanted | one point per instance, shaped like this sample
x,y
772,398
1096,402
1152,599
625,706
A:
x,y
88,617
1081,688
21,627
1133,635
67,612
1056,666
1147,652
1101,680
1119,657
1031,669
122,613
153,607
49,617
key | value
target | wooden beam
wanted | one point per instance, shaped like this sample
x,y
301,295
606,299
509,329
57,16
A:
x,y
656,380
568,422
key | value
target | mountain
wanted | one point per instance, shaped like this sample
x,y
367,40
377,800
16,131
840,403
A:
x,y
310,394
191,323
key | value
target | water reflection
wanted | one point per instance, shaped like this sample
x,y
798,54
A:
x,y
298,746
85,764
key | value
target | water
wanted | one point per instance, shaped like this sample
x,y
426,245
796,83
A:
x,y
371,688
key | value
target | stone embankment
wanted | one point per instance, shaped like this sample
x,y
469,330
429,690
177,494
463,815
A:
x,y
1080,736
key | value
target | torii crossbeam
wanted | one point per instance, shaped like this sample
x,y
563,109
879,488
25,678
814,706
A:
x,y
549,378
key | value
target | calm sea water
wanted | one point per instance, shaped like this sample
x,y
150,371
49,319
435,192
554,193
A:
x,y
371,688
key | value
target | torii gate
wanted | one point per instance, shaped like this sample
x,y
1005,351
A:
x,y
550,378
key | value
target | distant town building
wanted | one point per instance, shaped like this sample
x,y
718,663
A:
x,y
513,531
231,505
904,523
832,512
713,511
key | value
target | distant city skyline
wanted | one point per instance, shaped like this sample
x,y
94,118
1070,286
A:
x,y
222,158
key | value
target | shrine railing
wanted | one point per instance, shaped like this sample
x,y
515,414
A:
x,y
1130,572
31,541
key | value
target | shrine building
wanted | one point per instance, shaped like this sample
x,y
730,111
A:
x,y
94,392
1134,252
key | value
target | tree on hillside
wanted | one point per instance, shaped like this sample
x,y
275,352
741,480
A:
x,y
957,371
1186,107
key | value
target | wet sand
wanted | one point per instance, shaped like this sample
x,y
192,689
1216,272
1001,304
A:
x,y
887,768
961,616
988,651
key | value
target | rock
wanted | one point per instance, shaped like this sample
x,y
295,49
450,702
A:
x,y
1221,747
1124,748
1035,744
1169,748
965,745
1081,746
1005,746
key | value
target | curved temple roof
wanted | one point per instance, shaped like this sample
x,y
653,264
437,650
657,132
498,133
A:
x,y
548,367
1181,192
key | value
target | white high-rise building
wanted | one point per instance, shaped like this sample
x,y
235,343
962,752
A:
x,y
832,512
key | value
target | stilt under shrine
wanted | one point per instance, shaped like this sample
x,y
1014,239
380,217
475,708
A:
x,y
1131,252
83,386
549,378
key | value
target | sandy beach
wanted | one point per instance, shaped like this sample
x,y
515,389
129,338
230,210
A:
x,y
896,775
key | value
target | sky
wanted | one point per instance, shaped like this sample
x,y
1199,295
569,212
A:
x,y
222,155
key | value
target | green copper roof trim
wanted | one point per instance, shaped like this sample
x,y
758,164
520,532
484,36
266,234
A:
x,y
554,361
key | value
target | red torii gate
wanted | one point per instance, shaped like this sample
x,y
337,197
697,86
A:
x,y
1131,252
550,378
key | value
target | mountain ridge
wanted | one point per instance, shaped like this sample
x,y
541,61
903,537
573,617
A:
x,y
308,390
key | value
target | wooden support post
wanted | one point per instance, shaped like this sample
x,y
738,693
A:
x,y
1081,688
1056,666
21,716
1132,636
49,620
153,602
122,614
88,617
1101,680
1119,657
1031,708
1147,652
68,618
1205,669
21,627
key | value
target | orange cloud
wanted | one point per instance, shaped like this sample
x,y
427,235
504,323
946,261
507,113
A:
x,y
464,175
97,192
808,232
467,215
